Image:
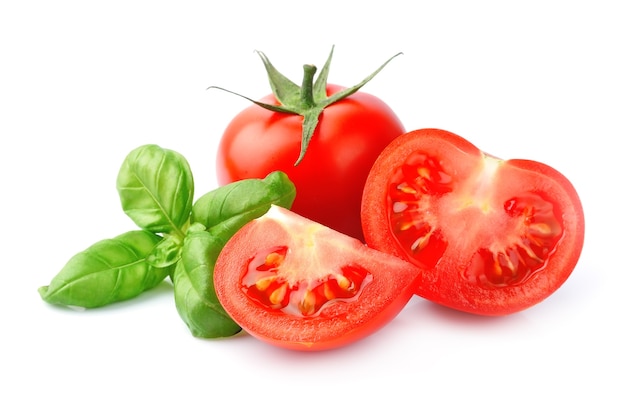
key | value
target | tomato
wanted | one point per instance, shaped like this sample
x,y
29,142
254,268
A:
x,y
494,236
297,284
329,180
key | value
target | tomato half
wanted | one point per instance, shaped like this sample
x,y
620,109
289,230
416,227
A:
x,y
493,236
350,135
297,284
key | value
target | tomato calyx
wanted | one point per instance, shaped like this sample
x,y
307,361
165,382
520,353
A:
x,y
308,100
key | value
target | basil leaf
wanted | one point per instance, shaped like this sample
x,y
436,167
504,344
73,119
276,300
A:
x,y
156,189
244,200
108,271
194,292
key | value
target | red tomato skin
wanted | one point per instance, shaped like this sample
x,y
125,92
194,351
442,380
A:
x,y
444,283
337,325
330,179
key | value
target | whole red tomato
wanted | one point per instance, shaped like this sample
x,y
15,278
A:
x,y
346,135
330,178
493,236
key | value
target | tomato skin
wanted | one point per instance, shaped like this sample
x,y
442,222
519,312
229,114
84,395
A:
x,y
388,288
483,223
330,179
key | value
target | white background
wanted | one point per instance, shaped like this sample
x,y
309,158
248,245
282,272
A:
x,y
83,83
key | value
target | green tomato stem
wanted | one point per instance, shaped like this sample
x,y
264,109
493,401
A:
x,y
306,91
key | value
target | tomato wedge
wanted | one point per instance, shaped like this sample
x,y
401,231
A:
x,y
494,236
300,285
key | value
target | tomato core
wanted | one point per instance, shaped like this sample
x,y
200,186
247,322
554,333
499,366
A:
x,y
430,210
270,282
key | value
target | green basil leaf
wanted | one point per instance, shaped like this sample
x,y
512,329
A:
x,y
156,189
108,271
194,292
244,200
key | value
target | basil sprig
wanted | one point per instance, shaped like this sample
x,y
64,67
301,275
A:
x,y
177,238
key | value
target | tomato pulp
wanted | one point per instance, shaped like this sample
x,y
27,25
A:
x,y
297,284
494,236
329,181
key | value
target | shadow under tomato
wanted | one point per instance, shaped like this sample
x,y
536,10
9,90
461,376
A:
x,y
427,311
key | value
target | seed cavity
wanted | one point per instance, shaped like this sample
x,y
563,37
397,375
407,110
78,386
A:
x,y
540,233
302,294
411,191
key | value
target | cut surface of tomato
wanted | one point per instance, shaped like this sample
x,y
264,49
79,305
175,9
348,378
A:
x,y
297,284
494,236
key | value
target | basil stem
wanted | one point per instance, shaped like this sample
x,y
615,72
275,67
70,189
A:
x,y
110,270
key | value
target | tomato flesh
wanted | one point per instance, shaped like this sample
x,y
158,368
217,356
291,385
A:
x,y
297,284
494,236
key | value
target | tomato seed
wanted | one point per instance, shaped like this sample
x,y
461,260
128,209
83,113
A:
x,y
264,283
278,295
274,259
